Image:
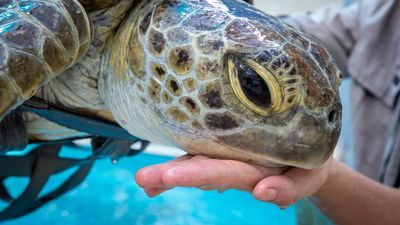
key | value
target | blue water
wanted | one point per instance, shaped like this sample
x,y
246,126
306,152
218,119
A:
x,y
110,196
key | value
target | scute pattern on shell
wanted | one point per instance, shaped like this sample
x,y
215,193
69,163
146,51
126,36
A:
x,y
38,40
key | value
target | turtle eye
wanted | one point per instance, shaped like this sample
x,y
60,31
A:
x,y
254,85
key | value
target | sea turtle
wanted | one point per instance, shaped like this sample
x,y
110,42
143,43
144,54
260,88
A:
x,y
214,77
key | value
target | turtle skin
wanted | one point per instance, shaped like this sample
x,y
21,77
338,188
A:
x,y
213,77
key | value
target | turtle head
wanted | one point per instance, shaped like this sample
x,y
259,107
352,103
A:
x,y
223,79
278,95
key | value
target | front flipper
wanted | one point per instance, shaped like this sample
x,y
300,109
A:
x,y
38,41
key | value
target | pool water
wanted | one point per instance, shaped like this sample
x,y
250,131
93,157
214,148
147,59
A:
x,y
109,195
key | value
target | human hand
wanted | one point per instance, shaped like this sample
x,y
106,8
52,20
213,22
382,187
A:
x,y
281,186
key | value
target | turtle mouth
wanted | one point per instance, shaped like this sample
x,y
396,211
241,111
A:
x,y
254,85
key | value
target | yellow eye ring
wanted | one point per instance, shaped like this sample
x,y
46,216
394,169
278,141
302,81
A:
x,y
270,80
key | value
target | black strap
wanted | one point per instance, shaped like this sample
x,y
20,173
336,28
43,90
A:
x,y
43,162
75,121
108,140
4,195
13,134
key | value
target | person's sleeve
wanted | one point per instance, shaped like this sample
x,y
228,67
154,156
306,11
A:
x,y
336,28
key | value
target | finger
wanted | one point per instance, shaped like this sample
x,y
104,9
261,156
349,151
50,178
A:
x,y
153,192
216,174
284,190
151,176
280,190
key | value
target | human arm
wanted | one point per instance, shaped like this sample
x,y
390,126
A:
x,y
345,196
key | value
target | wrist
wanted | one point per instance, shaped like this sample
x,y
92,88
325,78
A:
x,y
333,171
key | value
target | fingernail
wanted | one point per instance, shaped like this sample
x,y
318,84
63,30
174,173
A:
x,y
270,195
283,207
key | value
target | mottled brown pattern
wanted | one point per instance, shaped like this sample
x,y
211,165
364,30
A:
x,y
210,96
208,68
167,99
154,91
181,60
173,86
210,42
162,17
196,124
317,88
221,121
190,84
325,61
177,115
190,105
158,70
156,42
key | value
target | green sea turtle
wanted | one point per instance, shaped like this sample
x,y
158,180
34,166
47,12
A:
x,y
214,77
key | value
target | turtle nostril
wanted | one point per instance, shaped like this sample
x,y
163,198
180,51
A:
x,y
333,116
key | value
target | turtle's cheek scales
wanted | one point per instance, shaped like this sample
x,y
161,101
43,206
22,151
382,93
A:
x,y
190,84
156,42
136,56
158,71
208,69
145,24
181,60
211,97
154,91
317,89
190,105
177,115
173,86
221,121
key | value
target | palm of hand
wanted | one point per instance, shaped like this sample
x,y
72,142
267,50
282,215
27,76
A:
x,y
282,186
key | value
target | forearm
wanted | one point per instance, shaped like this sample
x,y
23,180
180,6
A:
x,y
351,198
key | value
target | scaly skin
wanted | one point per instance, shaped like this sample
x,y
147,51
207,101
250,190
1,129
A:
x,y
175,74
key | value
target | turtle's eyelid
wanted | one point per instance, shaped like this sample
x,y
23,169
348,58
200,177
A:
x,y
268,78
273,85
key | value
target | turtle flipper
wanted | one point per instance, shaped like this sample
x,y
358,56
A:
x,y
38,41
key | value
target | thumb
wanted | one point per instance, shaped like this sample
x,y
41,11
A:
x,y
284,190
